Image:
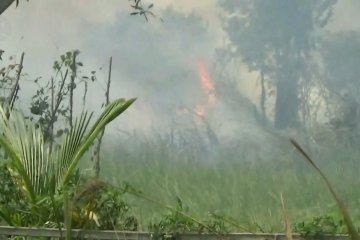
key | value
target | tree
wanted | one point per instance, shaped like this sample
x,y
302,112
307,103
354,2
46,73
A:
x,y
47,106
276,39
342,80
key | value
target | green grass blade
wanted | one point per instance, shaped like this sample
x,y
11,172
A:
x,y
349,223
5,215
286,219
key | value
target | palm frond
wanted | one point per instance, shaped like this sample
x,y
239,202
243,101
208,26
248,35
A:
x,y
24,144
31,165
72,150
70,146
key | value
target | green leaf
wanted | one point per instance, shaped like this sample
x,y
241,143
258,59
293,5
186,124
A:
x,y
12,140
5,215
341,206
35,171
113,110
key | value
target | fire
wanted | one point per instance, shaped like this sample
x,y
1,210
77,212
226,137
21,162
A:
x,y
206,82
209,89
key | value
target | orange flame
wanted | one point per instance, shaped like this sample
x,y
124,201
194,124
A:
x,y
209,89
206,82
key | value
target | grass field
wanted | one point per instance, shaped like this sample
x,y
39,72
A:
x,y
246,190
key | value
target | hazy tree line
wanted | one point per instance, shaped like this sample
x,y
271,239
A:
x,y
309,70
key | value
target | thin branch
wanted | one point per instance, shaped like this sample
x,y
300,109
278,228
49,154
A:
x,y
72,84
98,147
15,89
52,114
55,106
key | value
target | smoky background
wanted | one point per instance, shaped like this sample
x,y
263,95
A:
x,y
219,85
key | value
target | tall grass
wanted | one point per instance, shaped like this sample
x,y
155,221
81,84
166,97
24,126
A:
x,y
244,189
340,204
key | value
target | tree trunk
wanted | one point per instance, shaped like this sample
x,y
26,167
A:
x,y
4,4
287,105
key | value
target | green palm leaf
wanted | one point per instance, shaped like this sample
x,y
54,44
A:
x,y
24,145
70,158
69,148
38,173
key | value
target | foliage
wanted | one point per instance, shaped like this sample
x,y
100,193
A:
x,y
175,223
140,10
107,203
244,190
113,211
282,56
7,79
320,226
12,198
48,105
42,175
236,188
15,210
341,81
238,183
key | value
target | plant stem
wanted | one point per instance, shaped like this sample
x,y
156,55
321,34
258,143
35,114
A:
x,y
98,147
72,84
15,89
55,107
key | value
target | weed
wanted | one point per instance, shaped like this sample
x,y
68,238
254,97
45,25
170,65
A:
x,y
176,222
319,227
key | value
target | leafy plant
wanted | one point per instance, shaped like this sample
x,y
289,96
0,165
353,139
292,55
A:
x,y
176,222
320,226
49,104
11,197
42,175
9,83
105,205
113,210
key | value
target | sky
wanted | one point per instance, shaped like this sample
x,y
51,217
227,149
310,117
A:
x,y
154,61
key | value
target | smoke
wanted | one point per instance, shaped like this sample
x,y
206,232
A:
x,y
168,66
156,62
